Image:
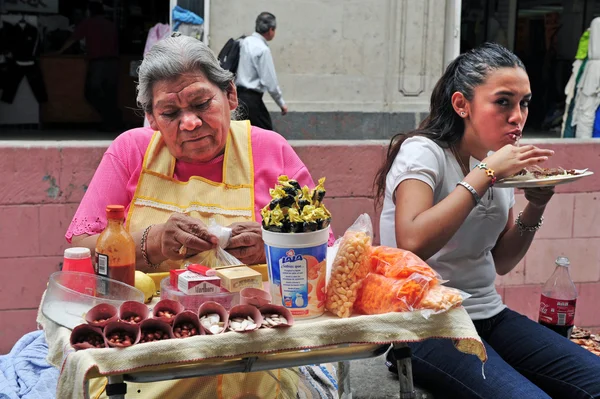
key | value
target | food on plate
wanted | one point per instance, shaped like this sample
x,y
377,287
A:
x,y
295,209
536,172
586,340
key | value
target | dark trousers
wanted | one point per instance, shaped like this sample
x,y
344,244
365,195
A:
x,y
253,108
12,79
525,360
102,89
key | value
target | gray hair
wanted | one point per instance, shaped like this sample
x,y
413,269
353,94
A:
x,y
265,21
173,56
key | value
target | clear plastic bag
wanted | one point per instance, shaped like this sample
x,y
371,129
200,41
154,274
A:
x,y
216,257
440,299
380,294
399,263
350,266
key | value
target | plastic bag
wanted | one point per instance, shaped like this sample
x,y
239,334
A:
x,y
399,263
380,294
440,299
350,266
216,257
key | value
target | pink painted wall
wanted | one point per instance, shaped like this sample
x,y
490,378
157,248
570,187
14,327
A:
x,y
43,182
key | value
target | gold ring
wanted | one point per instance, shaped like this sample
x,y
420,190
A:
x,y
183,250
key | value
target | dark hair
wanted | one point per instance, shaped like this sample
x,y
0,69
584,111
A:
x,y
264,22
443,125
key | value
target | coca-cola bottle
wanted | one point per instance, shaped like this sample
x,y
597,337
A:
x,y
557,305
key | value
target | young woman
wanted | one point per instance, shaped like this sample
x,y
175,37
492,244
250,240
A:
x,y
439,202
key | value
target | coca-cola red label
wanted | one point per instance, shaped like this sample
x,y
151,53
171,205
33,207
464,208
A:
x,y
559,312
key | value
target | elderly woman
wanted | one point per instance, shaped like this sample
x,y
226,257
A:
x,y
194,164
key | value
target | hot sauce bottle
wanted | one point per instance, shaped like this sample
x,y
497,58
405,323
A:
x,y
558,300
115,249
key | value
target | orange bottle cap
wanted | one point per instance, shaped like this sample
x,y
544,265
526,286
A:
x,y
115,211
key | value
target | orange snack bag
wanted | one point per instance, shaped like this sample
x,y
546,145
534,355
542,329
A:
x,y
399,263
380,294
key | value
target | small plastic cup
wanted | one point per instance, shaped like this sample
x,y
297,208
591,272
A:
x,y
168,305
184,317
84,331
152,326
213,307
104,312
243,311
134,309
116,327
270,309
255,297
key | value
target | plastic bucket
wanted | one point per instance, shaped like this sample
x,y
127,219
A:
x,y
297,264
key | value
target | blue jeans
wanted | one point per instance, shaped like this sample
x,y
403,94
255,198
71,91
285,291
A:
x,y
525,360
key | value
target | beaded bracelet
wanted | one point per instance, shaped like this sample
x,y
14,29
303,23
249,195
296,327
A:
x,y
144,248
489,172
466,185
531,229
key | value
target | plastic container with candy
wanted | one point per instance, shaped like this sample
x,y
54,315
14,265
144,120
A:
x,y
295,231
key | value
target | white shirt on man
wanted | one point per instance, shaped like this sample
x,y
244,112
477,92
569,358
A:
x,y
256,70
466,260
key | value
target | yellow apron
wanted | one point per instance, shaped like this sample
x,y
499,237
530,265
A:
x,y
157,196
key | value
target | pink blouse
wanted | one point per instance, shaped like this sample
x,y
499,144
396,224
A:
x,y
116,178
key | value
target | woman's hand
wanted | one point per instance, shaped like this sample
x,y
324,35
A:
x,y
538,197
180,231
510,159
246,243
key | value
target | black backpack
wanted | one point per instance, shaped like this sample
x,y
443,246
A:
x,y
229,56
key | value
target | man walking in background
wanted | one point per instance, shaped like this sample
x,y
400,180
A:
x,y
256,73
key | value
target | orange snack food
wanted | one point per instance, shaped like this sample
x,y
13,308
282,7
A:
x,y
399,263
379,294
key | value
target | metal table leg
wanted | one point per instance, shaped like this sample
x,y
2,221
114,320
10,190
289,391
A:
x,y
116,388
402,354
343,373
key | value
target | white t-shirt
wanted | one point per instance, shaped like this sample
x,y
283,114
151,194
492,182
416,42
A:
x,y
466,260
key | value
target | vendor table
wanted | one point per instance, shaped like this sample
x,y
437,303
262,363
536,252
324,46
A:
x,y
325,339
337,353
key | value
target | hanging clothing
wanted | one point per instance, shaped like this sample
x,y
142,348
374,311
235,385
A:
x,y
588,89
568,130
156,33
582,48
181,15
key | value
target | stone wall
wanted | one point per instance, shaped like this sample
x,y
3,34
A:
x,y
43,182
337,60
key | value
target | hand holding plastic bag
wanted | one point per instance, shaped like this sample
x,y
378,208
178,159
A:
x,y
217,256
